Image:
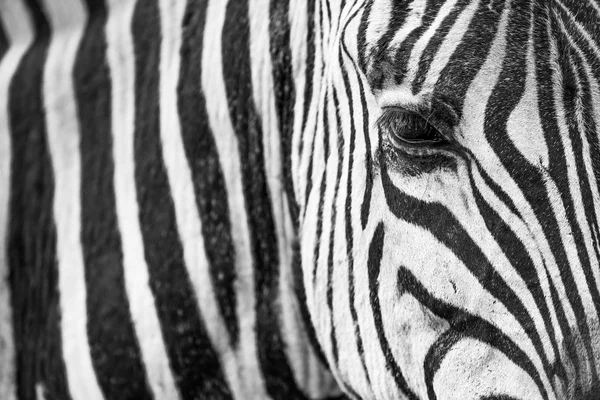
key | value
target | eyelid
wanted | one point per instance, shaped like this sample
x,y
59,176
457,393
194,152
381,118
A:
x,y
389,115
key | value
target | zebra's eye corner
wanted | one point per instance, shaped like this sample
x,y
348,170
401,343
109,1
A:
x,y
408,130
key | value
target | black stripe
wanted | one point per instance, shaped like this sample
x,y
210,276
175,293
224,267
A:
x,y
589,130
503,100
319,228
443,225
577,88
285,97
575,72
434,44
468,57
362,36
114,348
32,258
322,187
348,203
203,159
366,203
310,68
574,359
378,55
374,267
404,51
300,292
462,325
3,41
517,255
278,375
331,247
195,364
284,92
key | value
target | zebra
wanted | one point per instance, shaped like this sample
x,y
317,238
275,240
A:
x,y
304,199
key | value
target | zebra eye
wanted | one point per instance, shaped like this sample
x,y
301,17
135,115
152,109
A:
x,y
406,128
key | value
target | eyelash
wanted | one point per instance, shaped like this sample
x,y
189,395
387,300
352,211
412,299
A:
x,y
404,128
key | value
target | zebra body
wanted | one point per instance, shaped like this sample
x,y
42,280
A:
x,y
239,199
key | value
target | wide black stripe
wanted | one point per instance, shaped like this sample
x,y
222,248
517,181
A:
x,y
33,269
195,364
589,129
503,100
114,348
519,259
374,267
590,58
284,92
467,59
378,56
205,166
462,325
403,53
278,375
434,45
443,225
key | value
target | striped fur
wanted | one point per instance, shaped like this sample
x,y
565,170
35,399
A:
x,y
469,271
148,222
199,200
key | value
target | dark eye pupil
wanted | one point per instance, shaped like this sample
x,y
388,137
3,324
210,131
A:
x,y
407,127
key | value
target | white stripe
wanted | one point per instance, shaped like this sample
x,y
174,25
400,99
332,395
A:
x,y
226,142
120,54
67,21
19,32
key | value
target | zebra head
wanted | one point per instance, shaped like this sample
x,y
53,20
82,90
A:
x,y
447,175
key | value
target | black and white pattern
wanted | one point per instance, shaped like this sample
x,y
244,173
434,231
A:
x,y
291,199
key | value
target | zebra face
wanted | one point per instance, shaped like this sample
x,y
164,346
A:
x,y
449,198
